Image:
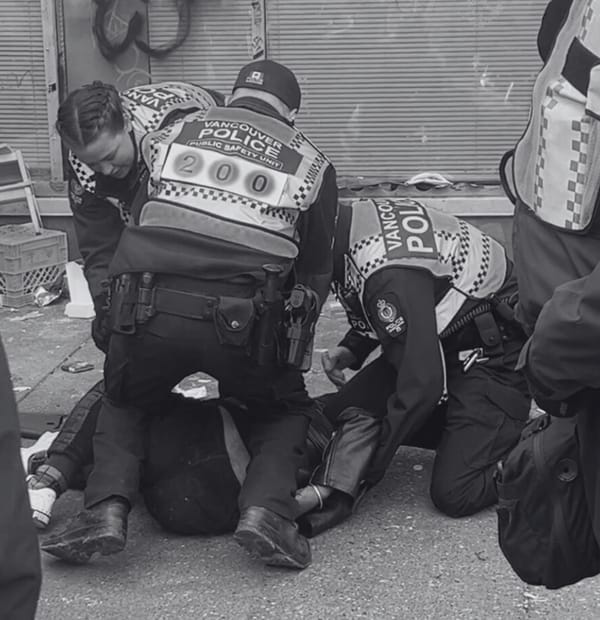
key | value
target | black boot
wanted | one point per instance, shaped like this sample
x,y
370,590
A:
x,y
271,538
99,529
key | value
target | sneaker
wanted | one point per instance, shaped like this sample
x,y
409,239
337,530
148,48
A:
x,y
41,501
44,486
36,454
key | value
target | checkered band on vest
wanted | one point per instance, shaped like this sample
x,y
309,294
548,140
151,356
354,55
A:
x,y
185,194
148,106
85,175
473,262
212,163
556,167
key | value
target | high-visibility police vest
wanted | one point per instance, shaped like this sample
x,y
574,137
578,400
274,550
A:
x,y
147,107
405,233
556,167
233,174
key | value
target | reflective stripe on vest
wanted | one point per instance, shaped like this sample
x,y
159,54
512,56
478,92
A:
x,y
556,167
406,233
147,107
234,174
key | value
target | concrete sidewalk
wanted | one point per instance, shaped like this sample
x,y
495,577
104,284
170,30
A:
x,y
396,558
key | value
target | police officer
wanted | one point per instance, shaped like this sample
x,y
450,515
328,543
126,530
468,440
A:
x,y
556,163
236,195
103,129
20,571
436,293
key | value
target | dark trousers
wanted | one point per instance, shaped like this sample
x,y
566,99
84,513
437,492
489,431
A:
x,y
189,483
141,370
486,409
72,449
20,571
545,258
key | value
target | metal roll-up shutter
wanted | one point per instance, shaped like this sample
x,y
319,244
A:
x,y
391,89
217,46
23,104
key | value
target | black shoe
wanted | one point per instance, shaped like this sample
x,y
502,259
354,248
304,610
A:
x,y
100,529
338,507
271,538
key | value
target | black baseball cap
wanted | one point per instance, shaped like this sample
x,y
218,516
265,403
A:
x,y
271,77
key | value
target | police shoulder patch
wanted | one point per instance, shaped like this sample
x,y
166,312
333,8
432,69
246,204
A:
x,y
76,187
76,192
389,317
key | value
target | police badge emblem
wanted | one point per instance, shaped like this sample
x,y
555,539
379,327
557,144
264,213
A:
x,y
393,323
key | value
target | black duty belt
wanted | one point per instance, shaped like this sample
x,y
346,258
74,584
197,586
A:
x,y
180,303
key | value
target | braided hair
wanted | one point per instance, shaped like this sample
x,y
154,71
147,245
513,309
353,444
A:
x,y
88,111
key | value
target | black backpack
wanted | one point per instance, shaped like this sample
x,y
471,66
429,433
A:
x,y
544,526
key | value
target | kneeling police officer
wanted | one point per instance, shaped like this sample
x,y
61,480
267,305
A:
x,y
437,294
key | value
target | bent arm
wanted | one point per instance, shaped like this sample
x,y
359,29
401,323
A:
x,y
562,356
98,228
410,344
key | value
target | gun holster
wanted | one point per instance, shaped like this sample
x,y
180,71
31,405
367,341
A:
x,y
301,311
268,303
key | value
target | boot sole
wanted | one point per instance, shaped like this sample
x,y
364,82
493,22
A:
x,y
40,520
81,551
264,549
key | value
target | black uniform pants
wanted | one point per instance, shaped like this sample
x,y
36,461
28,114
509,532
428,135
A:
x,y
486,409
20,572
190,478
141,370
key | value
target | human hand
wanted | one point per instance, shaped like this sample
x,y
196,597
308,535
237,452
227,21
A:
x,y
310,497
335,361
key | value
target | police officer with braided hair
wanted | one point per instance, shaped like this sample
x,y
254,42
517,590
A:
x,y
437,294
102,129
234,235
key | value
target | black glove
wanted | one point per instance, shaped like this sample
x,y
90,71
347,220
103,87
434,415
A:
x,y
101,325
